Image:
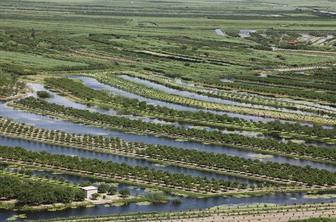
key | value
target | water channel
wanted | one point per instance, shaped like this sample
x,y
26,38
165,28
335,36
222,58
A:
x,y
95,84
56,149
186,204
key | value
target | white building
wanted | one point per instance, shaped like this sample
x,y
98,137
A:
x,y
89,191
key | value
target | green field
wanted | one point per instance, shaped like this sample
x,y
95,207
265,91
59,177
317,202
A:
x,y
32,61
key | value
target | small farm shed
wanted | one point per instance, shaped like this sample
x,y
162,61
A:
x,y
89,191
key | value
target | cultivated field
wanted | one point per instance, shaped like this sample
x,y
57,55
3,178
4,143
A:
x,y
169,108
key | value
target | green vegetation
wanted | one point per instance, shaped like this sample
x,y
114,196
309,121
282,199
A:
x,y
43,94
188,158
131,106
244,98
103,188
31,61
159,95
224,211
316,220
307,175
9,85
140,175
267,58
156,198
214,137
124,193
31,191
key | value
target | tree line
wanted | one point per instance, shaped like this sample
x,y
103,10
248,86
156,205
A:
x,y
34,192
133,106
204,136
141,174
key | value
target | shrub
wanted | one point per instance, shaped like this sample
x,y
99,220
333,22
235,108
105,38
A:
x,y
43,94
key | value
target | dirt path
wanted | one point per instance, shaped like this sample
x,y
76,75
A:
x,y
297,69
269,217
307,51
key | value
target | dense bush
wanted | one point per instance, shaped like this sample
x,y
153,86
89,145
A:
x,y
316,220
31,192
133,106
141,174
43,94
275,170
215,137
9,85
